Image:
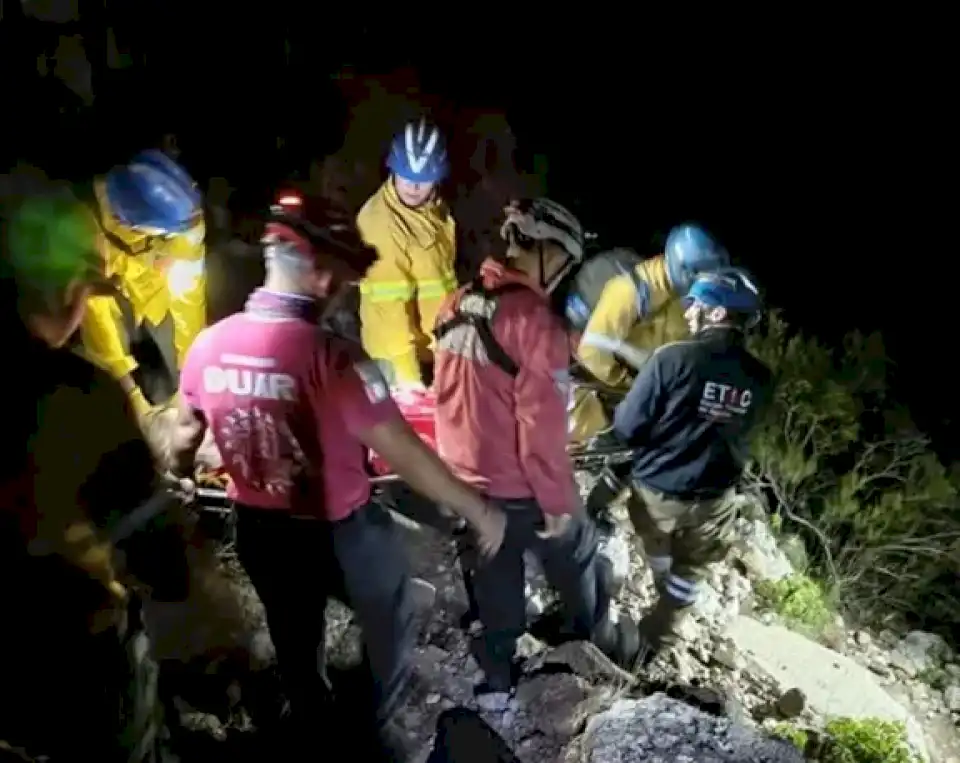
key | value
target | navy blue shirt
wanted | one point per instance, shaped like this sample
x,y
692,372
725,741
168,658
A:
x,y
689,413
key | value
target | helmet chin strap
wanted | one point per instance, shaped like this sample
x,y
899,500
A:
x,y
548,285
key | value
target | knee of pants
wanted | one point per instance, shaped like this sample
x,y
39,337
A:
x,y
579,542
656,542
498,591
378,588
693,551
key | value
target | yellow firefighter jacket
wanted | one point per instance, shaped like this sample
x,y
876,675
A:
x,y
137,264
617,341
402,292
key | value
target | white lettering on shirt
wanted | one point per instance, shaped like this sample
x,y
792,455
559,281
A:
x,y
721,401
244,382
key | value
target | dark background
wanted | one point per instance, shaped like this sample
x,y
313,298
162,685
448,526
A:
x,y
819,149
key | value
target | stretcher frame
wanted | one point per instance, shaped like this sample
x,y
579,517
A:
x,y
215,500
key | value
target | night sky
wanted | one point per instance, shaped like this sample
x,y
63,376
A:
x,y
822,155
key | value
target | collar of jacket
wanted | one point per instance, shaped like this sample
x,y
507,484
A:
x,y
423,223
725,335
282,305
496,274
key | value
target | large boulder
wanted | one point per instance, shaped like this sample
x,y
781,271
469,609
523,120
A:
x,y
658,729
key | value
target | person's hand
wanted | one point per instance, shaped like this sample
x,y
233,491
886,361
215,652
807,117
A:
x,y
208,455
554,525
185,487
606,439
490,529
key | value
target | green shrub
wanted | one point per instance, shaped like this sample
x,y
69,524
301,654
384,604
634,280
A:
x,y
796,736
843,466
799,600
867,741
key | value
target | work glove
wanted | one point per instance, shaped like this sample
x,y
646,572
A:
x,y
606,490
605,440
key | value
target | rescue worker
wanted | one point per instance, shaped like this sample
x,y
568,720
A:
x,y
413,232
689,414
76,680
293,410
502,379
152,227
635,313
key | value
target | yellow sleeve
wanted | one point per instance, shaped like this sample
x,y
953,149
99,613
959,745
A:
x,y
102,334
435,284
187,281
189,312
608,329
386,307
104,344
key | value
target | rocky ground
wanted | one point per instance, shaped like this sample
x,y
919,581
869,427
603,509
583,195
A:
x,y
714,699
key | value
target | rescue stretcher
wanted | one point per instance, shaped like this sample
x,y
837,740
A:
x,y
418,409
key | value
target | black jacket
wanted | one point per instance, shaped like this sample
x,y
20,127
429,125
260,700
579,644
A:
x,y
689,412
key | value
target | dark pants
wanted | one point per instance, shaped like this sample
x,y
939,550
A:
x,y
297,564
571,564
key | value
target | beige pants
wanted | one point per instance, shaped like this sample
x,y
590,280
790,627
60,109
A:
x,y
680,539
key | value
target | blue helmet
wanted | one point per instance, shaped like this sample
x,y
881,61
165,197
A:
x,y
690,250
730,288
419,154
153,191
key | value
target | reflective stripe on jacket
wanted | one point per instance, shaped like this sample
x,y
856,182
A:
x,y
618,340
403,291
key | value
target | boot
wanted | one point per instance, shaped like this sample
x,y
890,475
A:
x,y
501,672
619,640
659,627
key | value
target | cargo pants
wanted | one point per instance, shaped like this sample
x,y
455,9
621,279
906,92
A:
x,y
680,539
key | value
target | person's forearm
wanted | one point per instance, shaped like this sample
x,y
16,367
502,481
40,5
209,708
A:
x,y
422,469
427,474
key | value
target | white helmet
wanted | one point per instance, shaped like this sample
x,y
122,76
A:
x,y
544,220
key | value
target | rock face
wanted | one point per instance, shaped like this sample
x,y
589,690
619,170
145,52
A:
x,y
658,729
574,706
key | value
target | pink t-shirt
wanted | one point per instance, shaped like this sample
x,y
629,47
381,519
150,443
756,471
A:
x,y
287,403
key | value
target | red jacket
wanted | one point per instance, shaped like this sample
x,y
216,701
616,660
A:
x,y
507,435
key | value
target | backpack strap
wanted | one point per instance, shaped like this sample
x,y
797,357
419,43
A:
x,y
481,322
